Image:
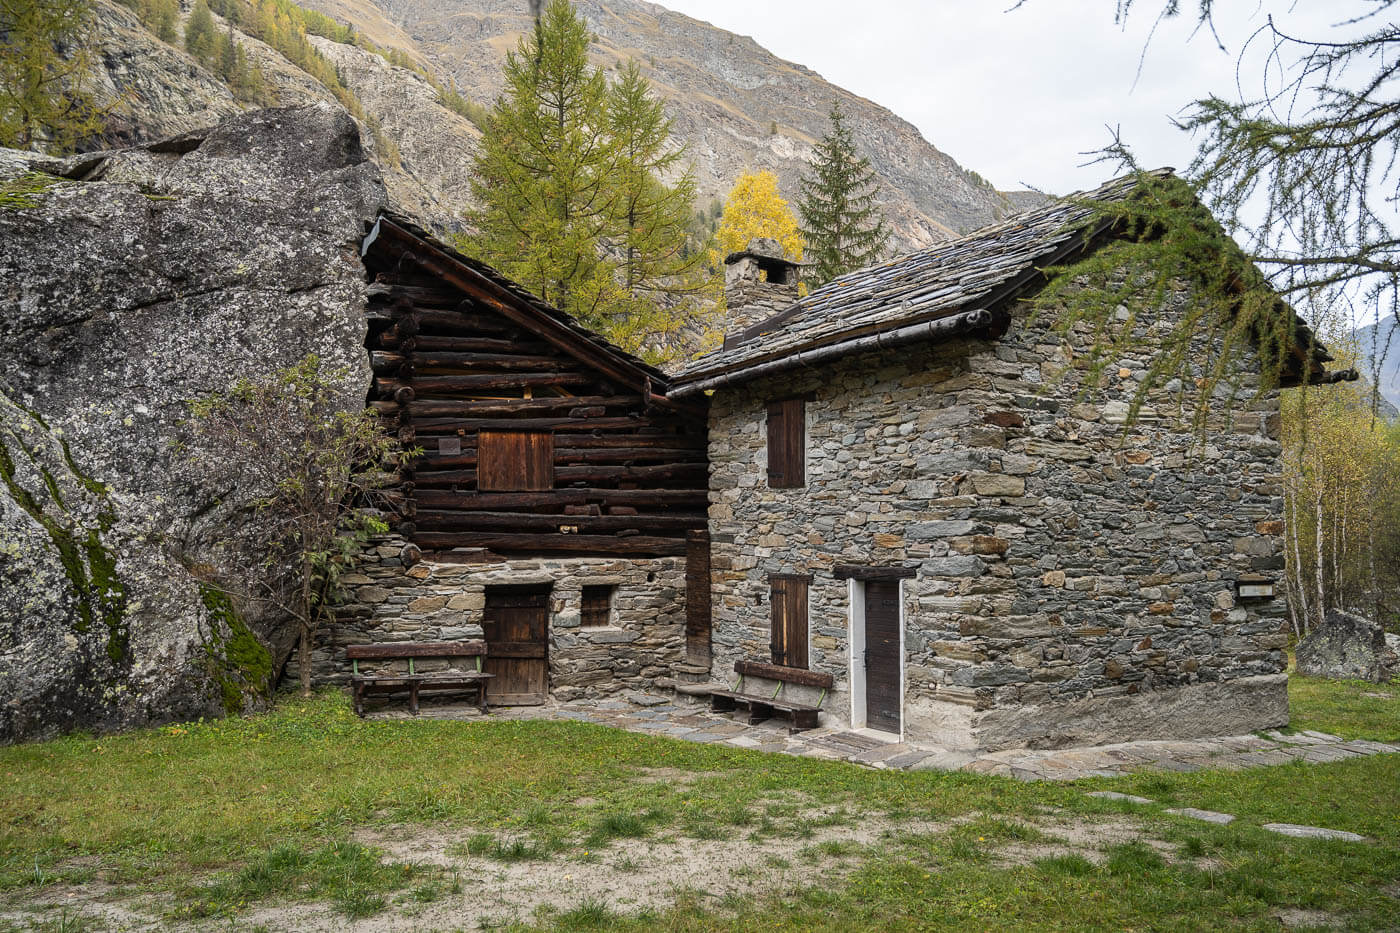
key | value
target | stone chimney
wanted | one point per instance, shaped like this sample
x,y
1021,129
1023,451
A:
x,y
758,283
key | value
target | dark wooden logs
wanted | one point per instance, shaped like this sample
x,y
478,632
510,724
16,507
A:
x,y
555,543
583,524
558,498
514,406
476,383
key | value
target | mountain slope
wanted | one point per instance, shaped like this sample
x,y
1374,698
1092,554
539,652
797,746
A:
x,y
736,105
1381,342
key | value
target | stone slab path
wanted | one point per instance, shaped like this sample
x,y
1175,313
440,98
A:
x,y
659,715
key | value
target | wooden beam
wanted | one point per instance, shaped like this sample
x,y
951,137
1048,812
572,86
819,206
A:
x,y
590,474
431,649
558,425
556,543
558,498
424,385
859,572
435,520
793,675
517,406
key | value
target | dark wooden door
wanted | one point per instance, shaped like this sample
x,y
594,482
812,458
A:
x,y
516,625
883,662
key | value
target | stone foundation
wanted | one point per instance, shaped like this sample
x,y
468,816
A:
x,y
394,597
1234,707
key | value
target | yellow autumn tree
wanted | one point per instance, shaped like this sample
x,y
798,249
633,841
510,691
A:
x,y
756,209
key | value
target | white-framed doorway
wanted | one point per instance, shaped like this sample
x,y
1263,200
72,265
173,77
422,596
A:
x,y
878,680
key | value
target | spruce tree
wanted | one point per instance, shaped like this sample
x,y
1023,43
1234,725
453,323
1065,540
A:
x,y
841,217
201,37
543,172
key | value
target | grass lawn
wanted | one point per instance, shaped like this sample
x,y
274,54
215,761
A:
x,y
308,818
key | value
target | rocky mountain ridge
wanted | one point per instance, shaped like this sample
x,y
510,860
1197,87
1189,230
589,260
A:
x,y
736,106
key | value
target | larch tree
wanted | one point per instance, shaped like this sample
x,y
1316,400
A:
x,y
44,68
570,175
660,271
841,217
1302,171
753,209
544,171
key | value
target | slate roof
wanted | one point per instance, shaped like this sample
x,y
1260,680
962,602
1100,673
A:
x,y
982,270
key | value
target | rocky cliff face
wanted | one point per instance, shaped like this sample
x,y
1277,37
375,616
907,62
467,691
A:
x,y
131,282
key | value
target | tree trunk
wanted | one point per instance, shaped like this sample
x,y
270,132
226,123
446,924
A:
x,y
1320,569
304,660
1293,572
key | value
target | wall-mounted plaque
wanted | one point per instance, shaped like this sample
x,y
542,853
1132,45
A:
x,y
449,446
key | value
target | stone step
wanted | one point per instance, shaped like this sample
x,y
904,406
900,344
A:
x,y
690,673
693,694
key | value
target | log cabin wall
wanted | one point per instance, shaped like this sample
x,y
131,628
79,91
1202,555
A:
x,y
550,459
537,437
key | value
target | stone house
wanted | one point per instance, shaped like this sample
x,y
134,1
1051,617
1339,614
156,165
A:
x,y
905,495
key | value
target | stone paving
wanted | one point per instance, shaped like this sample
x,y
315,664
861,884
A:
x,y
660,715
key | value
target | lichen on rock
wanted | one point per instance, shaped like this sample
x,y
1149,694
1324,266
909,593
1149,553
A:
x,y
139,280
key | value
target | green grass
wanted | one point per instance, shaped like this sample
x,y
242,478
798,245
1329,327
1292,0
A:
x,y
216,817
1352,709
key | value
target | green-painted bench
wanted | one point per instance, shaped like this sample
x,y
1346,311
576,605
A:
x,y
412,680
762,706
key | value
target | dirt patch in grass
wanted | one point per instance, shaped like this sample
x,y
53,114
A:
x,y
676,777
1297,919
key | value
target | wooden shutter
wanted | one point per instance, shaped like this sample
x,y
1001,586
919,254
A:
x,y
787,444
596,609
515,461
788,604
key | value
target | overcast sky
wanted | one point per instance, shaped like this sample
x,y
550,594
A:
x,y
1019,95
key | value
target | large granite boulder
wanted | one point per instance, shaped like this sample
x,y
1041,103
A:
x,y
131,282
1346,647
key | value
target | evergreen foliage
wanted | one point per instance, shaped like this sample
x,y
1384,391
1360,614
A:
x,y
44,65
573,207
841,218
543,174
754,209
222,54
652,219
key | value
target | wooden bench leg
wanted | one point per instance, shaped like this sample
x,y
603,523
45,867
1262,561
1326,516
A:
x,y
481,696
758,712
357,692
413,697
804,719
721,704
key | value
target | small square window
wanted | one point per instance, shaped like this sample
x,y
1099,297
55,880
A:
x,y
597,606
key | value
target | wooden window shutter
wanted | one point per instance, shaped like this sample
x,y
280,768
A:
x,y
788,605
787,444
515,461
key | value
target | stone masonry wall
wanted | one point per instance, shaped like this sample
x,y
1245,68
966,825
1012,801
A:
x,y
1075,583
395,596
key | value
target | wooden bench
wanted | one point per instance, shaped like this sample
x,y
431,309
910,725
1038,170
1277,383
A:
x,y
390,681
762,706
